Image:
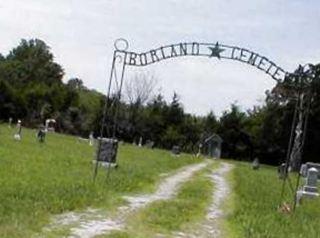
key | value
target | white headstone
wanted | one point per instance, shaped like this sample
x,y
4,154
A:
x,y
312,181
310,189
199,150
91,139
17,136
256,164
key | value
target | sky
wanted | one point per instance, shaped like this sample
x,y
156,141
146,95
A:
x,y
81,35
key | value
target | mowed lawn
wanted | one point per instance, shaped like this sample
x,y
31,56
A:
x,y
39,180
254,208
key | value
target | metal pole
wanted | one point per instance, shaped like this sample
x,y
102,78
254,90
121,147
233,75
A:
x,y
104,116
289,148
309,98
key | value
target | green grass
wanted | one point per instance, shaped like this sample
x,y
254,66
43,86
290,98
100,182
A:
x,y
255,201
38,180
177,214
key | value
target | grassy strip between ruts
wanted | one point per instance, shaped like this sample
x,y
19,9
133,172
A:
x,y
38,180
255,200
178,214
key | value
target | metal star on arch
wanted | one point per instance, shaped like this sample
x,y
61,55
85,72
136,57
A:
x,y
216,50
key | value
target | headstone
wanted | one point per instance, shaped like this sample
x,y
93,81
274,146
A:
x,y
305,167
310,189
50,125
10,122
312,179
150,144
107,151
176,150
140,141
256,164
199,150
282,171
91,139
41,135
17,136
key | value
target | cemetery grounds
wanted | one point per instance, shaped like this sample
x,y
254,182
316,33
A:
x,y
39,182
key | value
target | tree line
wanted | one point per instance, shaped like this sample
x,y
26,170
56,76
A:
x,y
31,89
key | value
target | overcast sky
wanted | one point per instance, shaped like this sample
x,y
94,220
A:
x,y
81,35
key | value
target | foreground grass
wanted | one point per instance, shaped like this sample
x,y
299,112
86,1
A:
x,y
38,180
177,214
255,201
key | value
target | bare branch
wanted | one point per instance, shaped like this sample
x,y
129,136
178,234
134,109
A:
x,y
140,88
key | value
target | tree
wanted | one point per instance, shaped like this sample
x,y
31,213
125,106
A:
x,y
75,84
231,123
32,61
140,88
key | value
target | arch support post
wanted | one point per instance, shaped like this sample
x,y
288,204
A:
x,y
107,142
303,77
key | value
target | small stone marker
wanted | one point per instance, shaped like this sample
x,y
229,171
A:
x,y
150,144
282,171
256,164
175,150
17,136
41,135
199,150
10,122
310,189
91,139
140,141
108,149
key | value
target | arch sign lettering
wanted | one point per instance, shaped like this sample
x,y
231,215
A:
x,y
216,50
123,58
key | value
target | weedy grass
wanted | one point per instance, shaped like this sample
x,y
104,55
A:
x,y
38,180
177,214
255,207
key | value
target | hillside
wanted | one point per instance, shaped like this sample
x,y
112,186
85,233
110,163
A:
x,y
38,180
45,182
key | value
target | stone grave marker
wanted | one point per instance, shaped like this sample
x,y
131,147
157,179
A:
x,y
140,141
150,144
17,135
312,180
10,122
282,171
41,134
91,139
175,150
305,167
199,150
107,152
50,125
310,189
256,164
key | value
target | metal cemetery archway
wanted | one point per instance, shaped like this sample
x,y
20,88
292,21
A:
x,y
123,58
